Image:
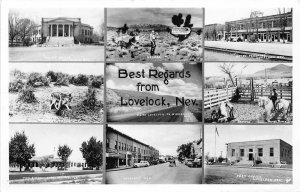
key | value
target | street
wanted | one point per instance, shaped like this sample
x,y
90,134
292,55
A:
x,y
246,175
156,174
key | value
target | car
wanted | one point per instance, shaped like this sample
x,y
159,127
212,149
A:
x,y
189,162
141,164
154,162
161,161
197,162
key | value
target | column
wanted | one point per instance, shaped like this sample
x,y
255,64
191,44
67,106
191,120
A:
x,y
69,30
63,30
50,30
56,30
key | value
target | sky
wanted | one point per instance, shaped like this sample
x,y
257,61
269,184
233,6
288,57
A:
x,y
92,17
165,138
179,87
212,69
69,68
117,17
221,15
237,133
47,136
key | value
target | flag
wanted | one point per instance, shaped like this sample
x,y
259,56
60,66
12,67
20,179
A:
x,y
217,131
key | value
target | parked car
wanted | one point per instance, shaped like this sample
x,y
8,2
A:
x,y
197,162
141,164
161,161
154,162
189,162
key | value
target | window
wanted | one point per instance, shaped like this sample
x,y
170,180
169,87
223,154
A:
x,y
134,149
271,152
260,152
107,143
119,145
242,152
116,145
82,31
232,152
250,150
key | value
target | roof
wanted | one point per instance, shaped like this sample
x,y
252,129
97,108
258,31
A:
x,y
77,20
256,141
128,137
86,25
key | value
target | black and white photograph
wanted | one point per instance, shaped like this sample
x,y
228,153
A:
x,y
56,92
154,34
55,154
154,154
154,92
56,34
248,34
248,93
248,154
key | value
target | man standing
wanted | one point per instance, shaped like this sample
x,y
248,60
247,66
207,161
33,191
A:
x,y
153,44
274,98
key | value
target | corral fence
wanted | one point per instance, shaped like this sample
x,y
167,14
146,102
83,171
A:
x,y
284,91
214,97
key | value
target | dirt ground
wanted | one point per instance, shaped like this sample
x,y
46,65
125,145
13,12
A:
x,y
245,112
167,48
40,111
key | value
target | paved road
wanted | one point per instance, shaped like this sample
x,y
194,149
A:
x,y
76,53
157,174
15,176
235,175
172,114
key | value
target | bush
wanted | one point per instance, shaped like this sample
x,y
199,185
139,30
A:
x,y
52,75
16,86
37,80
62,79
27,95
80,80
90,101
97,81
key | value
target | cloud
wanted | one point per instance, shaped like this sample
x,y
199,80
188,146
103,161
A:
x,y
173,66
111,84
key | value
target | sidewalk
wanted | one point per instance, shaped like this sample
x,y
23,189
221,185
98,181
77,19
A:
x,y
284,49
251,167
119,168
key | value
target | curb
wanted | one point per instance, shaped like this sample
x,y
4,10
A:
x,y
287,169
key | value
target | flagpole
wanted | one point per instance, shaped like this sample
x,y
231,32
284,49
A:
x,y
215,142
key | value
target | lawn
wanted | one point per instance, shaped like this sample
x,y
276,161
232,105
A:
x,y
75,53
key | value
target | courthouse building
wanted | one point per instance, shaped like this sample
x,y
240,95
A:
x,y
65,31
266,151
123,150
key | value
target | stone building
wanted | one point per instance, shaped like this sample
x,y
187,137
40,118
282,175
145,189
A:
x,y
265,151
63,31
123,150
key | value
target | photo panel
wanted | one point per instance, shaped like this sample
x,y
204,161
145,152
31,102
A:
x,y
153,154
62,158
248,154
56,92
247,34
242,92
154,34
154,92
62,34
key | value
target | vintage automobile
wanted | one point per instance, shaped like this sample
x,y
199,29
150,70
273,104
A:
x,y
141,164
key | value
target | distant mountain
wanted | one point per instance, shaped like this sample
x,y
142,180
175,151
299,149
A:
x,y
280,70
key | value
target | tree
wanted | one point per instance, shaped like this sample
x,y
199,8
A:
x,y
184,150
20,151
13,26
63,153
228,69
26,29
92,152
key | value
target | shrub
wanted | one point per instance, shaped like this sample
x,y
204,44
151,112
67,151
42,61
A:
x,y
37,79
17,74
62,79
81,80
97,81
16,86
52,75
90,101
27,95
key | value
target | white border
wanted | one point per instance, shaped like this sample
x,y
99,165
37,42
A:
x,y
6,4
